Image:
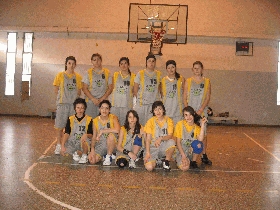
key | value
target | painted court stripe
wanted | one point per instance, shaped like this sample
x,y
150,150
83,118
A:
x,y
186,188
255,160
45,152
49,182
27,174
28,182
262,147
247,191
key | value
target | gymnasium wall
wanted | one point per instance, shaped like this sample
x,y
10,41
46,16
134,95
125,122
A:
x,y
246,86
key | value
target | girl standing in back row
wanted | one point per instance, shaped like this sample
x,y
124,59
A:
x,y
197,92
122,95
97,85
67,87
172,89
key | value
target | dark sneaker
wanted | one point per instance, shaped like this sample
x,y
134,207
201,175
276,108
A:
x,y
165,165
193,165
205,160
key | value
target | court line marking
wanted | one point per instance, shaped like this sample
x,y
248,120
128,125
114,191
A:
x,y
262,147
27,181
175,169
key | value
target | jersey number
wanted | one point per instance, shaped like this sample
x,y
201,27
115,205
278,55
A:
x,y
153,81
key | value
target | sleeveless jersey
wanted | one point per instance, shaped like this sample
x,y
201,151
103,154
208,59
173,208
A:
x,y
100,126
128,141
78,129
172,96
68,87
157,130
122,93
148,90
187,134
197,93
97,82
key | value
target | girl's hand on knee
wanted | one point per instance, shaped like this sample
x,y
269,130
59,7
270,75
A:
x,y
158,141
99,135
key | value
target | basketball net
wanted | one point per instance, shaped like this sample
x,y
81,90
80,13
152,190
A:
x,y
157,35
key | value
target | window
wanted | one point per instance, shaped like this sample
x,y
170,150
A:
x,y
11,64
27,59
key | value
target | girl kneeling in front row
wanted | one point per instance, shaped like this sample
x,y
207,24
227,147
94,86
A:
x,y
189,138
159,143
130,140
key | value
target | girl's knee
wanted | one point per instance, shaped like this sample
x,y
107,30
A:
x,y
149,167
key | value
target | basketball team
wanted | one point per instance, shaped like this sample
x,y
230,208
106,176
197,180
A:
x,y
127,116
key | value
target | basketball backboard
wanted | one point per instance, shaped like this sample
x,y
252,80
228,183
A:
x,y
148,22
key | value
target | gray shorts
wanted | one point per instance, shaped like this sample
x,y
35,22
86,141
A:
x,y
128,147
120,112
101,145
144,113
74,145
92,110
159,152
63,112
188,154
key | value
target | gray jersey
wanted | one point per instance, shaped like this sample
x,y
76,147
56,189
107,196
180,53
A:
x,y
196,95
122,92
78,129
148,91
172,97
156,130
188,138
97,82
68,91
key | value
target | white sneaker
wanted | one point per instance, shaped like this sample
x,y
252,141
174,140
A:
x,y
131,164
165,165
84,159
76,157
107,161
57,149
113,156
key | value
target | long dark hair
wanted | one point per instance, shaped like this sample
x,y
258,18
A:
x,y
177,75
196,117
127,60
137,125
72,58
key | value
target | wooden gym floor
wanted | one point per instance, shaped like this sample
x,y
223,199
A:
x,y
245,173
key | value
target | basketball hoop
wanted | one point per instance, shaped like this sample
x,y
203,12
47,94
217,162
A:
x,y
157,35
